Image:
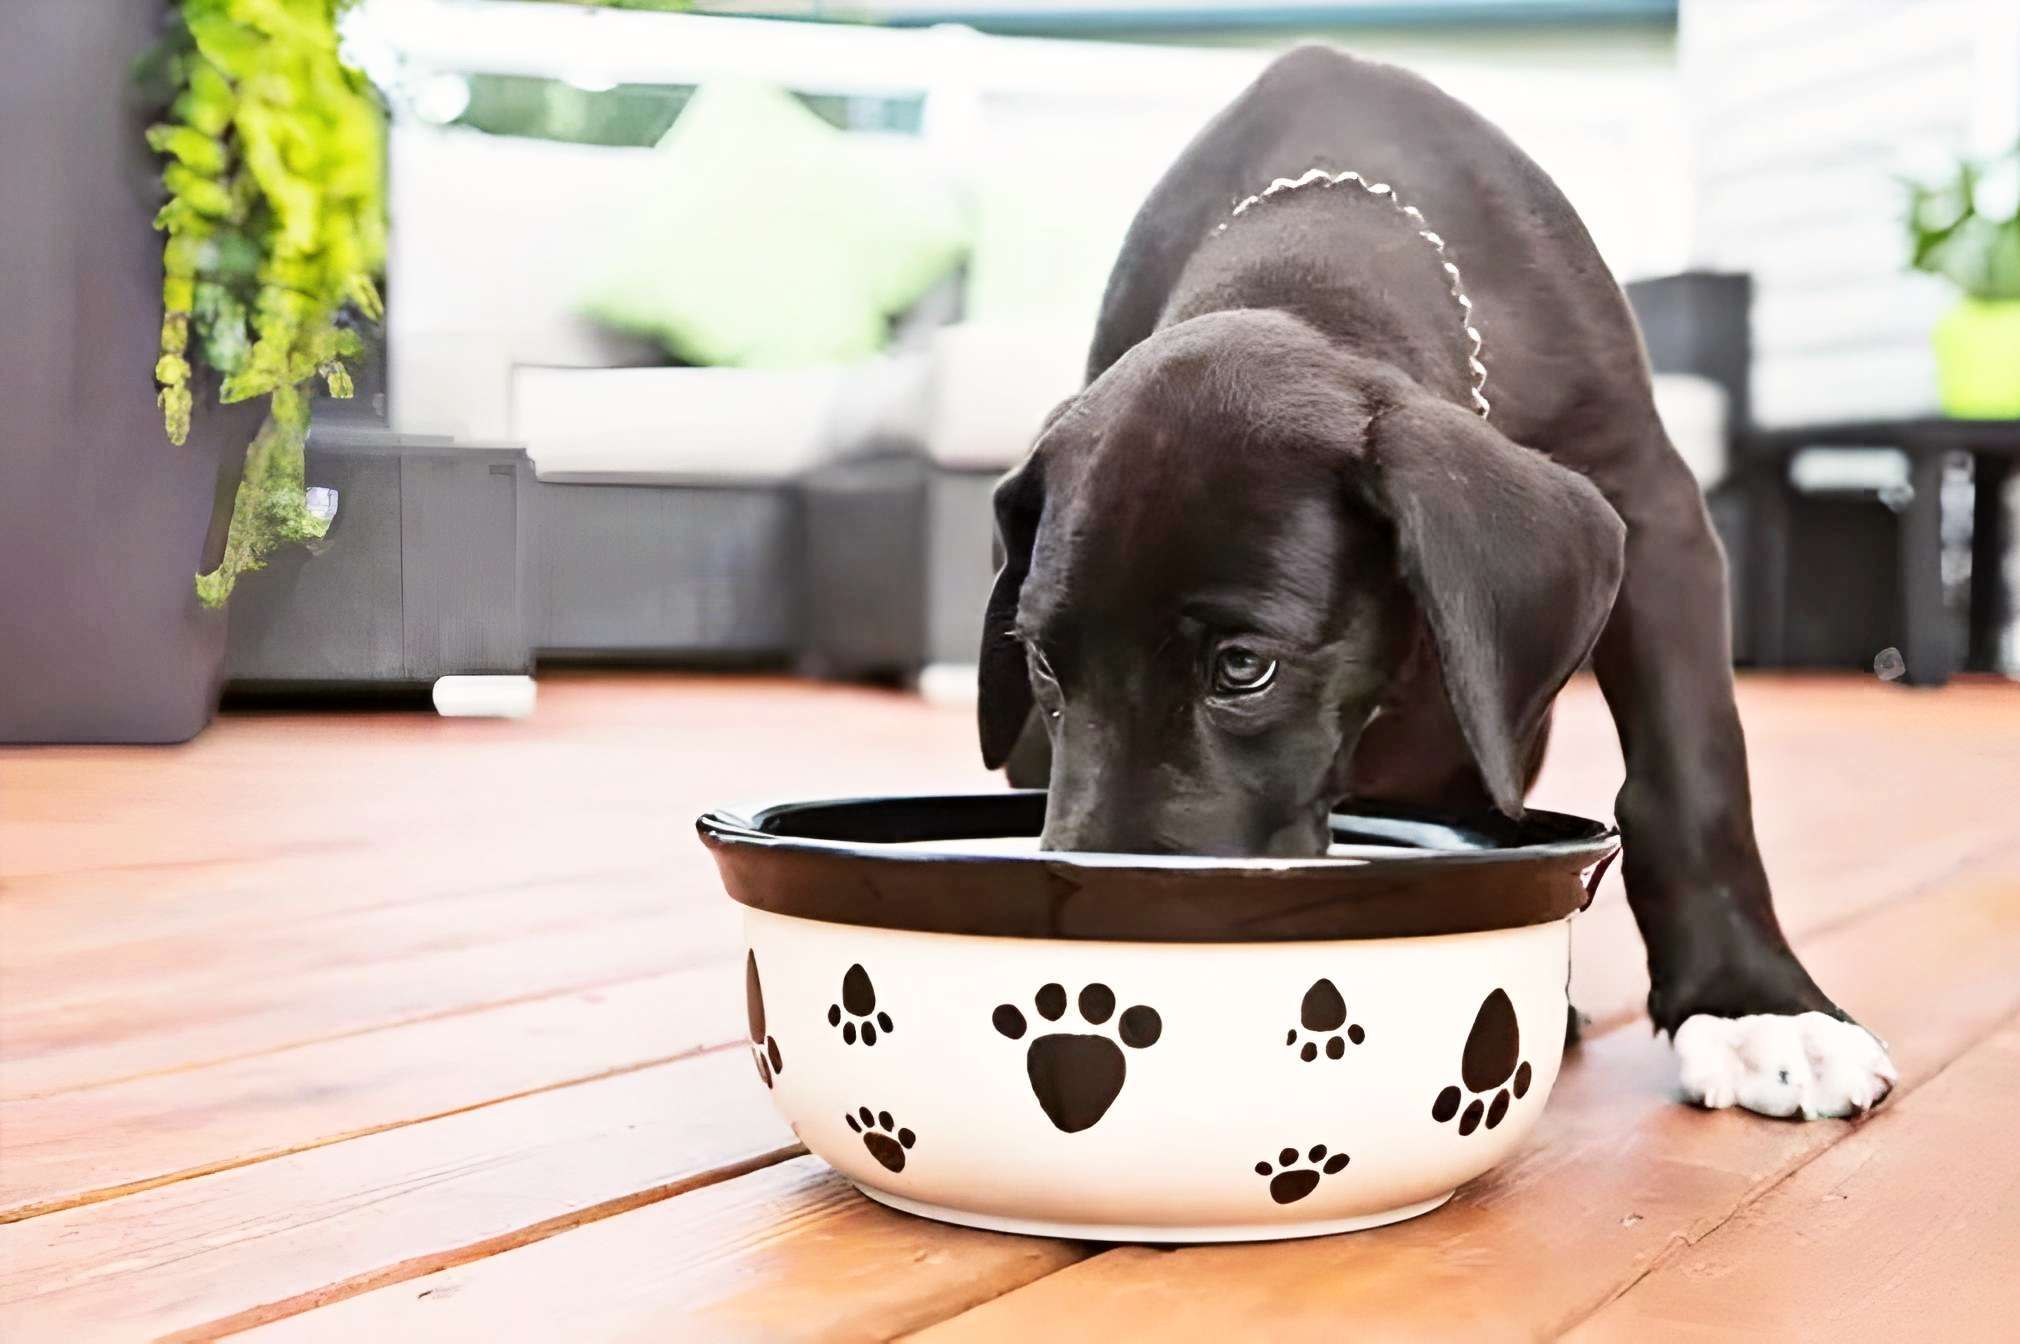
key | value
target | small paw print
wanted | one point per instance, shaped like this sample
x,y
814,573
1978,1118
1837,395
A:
x,y
1292,1178
859,1008
886,1143
1492,1050
1323,1013
1077,1076
763,1048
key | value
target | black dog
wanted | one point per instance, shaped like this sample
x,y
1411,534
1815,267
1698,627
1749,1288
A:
x,y
1280,552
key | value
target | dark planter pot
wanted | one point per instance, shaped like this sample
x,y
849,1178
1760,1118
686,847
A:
x,y
103,522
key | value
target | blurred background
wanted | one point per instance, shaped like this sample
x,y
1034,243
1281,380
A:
x,y
484,434
706,329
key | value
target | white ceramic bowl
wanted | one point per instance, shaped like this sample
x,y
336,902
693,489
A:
x,y
1128,1048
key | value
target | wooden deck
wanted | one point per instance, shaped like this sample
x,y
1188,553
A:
x,y
386,1027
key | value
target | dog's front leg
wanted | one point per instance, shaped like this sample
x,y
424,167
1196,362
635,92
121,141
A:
x,y
1750,1026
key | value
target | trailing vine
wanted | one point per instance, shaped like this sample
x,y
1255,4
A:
x,y
274,155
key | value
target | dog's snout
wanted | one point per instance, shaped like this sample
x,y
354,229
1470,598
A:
x,y
1085,835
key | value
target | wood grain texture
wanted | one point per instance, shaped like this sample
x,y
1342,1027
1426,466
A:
x,y
1863,793
343,1008
790,1252
1909,1227
335,980
96,1143
277,1237
1616,1177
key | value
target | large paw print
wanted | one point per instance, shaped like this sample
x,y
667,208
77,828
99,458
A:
x,y
859,1002
763,1048
1492,1049
1291,1179
1322,1014
886,1144
1077,1076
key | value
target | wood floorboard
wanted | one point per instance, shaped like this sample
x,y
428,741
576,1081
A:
x,y
355,1024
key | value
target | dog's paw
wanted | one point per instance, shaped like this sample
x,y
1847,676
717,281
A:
x,y
1809,1064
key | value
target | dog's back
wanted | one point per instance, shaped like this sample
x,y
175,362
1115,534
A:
x,y
1560,344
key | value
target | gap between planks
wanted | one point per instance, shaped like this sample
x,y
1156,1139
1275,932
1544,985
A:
x,y
67,1147
1896,1112
1616,1177
1614,1136
436,1262
1902,1224
279,1236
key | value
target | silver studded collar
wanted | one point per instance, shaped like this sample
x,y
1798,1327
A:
x,y
1415,217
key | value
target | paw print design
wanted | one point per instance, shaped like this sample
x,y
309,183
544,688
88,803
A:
x,y
763,1048
886,1144
1292,1178
858,1005
1322,1014
1492,1049
1077,1076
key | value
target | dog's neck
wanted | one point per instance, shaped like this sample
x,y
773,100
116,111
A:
x,y
1343,255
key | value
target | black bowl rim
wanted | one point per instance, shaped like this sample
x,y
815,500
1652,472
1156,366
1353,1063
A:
x,y
1478,875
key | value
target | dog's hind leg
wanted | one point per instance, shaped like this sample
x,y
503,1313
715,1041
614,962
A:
x,y
1751,1026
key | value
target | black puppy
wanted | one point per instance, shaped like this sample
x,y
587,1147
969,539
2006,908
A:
x,y
1293,544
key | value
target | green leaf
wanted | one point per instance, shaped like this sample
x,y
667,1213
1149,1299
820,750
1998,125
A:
x,y
274,166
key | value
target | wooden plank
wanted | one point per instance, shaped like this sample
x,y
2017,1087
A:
x,y
277,923
1616,1176
248,1010
790,1252
103,909
629,757
1949,753
237,1015
265,1241
1609,969
587,778
190,998
97,1143
1909,1227
1617,1171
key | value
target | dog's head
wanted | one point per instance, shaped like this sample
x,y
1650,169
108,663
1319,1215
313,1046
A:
x,y
1215,558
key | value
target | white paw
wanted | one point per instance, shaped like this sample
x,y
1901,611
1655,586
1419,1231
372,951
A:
x,y
1810,1064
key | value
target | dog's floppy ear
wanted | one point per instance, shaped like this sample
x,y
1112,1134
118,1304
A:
x,y
1513,559
1003,678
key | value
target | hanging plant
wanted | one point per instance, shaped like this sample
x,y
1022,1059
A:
x,y
273,160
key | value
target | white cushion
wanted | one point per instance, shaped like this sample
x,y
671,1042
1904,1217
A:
x,y
674,426
1693,412
486,258
1880,471
993,385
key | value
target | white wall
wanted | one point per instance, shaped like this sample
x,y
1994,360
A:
x,y
1802,115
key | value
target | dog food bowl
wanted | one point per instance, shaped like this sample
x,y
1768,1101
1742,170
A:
x,y
1135,1048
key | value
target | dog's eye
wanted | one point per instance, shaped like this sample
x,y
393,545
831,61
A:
x,y
1239,670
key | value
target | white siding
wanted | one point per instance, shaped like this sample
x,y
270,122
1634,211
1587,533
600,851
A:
x,y
1804,113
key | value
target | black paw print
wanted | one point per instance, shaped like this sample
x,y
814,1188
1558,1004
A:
x,y
763,1048
1492,1049
1323,1013
1293,1180
1077,1076
885,1144
859,1001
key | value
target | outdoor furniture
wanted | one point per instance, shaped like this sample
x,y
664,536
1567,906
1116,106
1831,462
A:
x,y
418,577
398,1028
1928,644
